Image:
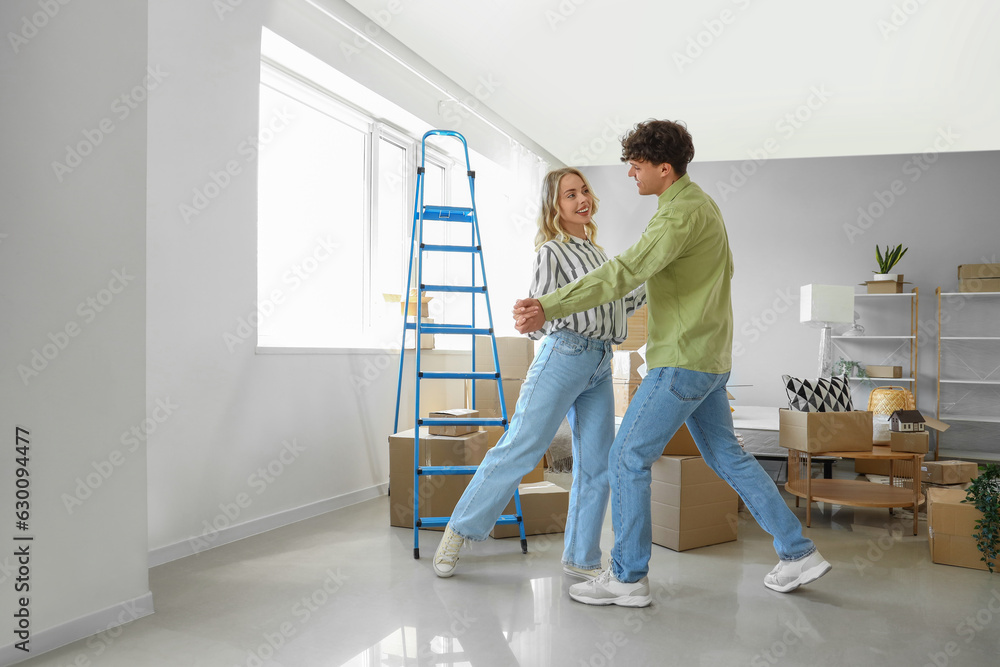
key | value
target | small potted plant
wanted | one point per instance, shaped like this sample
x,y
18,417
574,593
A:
x,y
888,260
853,369
984,493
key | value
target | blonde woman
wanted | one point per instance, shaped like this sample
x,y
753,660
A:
x,y
569,377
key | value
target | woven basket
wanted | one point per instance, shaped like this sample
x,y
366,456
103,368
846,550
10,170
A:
x,y
886,400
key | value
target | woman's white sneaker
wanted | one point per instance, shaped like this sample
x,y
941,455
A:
x,y
788,575
446,556
606,589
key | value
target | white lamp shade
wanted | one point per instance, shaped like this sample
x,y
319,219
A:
x,y
826,303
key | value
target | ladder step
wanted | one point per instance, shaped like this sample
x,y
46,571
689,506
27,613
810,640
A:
x,y
441,521
451,248
468,289
458,375
474,421
447,470
448,329
448,213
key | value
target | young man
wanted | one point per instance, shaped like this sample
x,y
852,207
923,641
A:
x,y
683,257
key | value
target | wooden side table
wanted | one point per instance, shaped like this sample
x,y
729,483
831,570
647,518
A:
x,y
903,489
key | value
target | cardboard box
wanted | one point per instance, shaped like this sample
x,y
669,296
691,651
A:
x,y
886,286
488,399
456,414
948,472
637,331
515,352
398,298
884,371
872,466
493,434
825,431
966,271
950,525
544,506
690,505
625,365
624,391
426,340
682,444
917,442
979,285
438,493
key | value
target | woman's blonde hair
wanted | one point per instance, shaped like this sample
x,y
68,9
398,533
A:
x,y
549,226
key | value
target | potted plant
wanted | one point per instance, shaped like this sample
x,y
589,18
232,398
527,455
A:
x,y
887,261
852,369
985,495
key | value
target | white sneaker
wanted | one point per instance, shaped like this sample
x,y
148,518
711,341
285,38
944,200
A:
x,y
446,556
582,572
606,589
788,575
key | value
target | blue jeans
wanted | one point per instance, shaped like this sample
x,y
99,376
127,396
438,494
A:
x,y
667,398
570,377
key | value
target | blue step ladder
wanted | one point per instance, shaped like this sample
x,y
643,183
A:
x,y
421,213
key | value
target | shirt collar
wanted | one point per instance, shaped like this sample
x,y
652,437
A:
x,y
674,189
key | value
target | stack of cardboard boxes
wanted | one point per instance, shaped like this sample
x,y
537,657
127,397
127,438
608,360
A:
x,y
950,521
625,364
690,505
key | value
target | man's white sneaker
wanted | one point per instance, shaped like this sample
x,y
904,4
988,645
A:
x,y
788,575
446,556
582,572
606,589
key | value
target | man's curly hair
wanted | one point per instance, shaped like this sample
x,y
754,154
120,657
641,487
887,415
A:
x,y
659,141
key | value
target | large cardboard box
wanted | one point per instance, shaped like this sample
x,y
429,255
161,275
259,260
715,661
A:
x,y
979,285
493,435
488,399
948,472
690,505
917,442
624,390
884,371
426,340
637,331
544,506
438,493
625,365
457,414
950,525
966,271
825,431
682,444
515,352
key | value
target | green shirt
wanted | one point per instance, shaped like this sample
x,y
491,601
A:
x,y
683,256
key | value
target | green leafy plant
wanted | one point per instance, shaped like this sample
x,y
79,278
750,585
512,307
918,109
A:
x,y
852,369
890,258
985,495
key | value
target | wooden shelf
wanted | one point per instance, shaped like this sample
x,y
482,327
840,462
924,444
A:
x,y
873,337
854,492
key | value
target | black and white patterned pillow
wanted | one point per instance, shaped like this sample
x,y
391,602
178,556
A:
x,y
831,394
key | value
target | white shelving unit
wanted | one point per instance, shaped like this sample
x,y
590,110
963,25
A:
x,y
862,348
955,310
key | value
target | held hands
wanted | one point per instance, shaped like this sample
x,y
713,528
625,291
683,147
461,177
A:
x,y
528,315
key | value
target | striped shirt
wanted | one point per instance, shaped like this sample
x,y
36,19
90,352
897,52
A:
x,y
560,263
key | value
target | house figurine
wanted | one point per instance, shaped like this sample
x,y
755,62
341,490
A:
x,y
906,421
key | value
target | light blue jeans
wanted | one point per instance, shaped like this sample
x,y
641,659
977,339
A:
x,y
570,377
667,398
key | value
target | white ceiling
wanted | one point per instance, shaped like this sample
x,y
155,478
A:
x,y
882,76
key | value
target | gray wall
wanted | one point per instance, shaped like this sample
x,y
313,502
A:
x,y
796,221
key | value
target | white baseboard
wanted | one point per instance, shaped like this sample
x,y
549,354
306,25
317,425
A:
x,y
198,543
79,628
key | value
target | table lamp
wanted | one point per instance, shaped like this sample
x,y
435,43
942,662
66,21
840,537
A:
x,y
824,305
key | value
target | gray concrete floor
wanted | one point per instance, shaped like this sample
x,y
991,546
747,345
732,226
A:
x,y
344,589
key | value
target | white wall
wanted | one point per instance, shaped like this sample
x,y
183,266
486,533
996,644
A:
x,y
64,236
794,222
219,460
